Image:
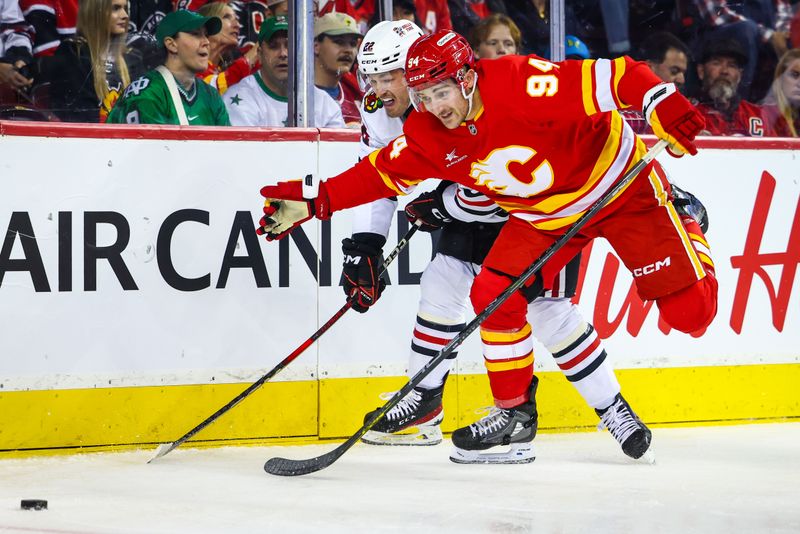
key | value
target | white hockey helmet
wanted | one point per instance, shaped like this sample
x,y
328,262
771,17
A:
x,y
385,46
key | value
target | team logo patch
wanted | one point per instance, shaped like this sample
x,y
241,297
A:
x,y
137,86
372,103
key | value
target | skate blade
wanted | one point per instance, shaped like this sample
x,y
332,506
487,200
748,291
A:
x,y
518,453
649,457
417,437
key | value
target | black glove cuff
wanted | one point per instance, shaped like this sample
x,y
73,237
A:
x,y
366,243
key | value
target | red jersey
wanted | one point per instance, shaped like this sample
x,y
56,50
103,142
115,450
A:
x,y
547,143
779,122
222,79
52,21
747,119
433,15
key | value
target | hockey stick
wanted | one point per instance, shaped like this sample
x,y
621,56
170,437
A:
x,y
168,447
287,467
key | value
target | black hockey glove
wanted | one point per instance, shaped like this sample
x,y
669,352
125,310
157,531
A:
x,y
363,262
428,208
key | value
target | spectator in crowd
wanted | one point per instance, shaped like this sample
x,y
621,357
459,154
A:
x,y
667,56
429,15
336,39
222,72
403,10
533,19
261,99
144,16
574,48
782,104
52,21
760,26
250,14
465,14
172,93
278,8
495,36
92,68
16,37
725,111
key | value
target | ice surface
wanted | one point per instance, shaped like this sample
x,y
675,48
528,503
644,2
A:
x,y
707,480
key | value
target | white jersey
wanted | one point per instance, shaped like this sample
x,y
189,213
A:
x,y
14,31
378,130
251,103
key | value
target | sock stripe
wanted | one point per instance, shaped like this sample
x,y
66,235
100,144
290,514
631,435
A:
x,y
575,344
422,336
585,353
431,353
589,369
455,328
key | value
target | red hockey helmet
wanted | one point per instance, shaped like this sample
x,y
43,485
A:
x,y
437,57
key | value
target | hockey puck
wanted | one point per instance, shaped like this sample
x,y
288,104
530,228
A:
x,y
33,504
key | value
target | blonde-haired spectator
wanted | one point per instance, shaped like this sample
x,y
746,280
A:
x,y
91,70
222,72
783,100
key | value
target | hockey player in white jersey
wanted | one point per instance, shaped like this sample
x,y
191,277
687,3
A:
x,y
470,223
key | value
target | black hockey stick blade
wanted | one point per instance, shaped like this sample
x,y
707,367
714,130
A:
x,y
287,467
166,448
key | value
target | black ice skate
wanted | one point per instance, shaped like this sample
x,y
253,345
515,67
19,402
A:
x,y
514,428
414,420
626,427
688,205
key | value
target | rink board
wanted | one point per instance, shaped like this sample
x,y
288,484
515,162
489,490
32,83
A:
x,y
136,301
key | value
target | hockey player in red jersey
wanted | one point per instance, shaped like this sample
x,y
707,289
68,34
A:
x,y
469,223
544,141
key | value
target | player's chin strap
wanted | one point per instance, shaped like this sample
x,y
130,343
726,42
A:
x,y
468,97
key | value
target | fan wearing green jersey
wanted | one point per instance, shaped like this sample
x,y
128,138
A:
x,y
152,99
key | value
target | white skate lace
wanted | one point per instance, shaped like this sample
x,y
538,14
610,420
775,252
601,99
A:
x,y
619,421
492,421
406,406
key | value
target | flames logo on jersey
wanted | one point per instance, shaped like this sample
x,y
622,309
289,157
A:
x,y
108,103
372,103
493,173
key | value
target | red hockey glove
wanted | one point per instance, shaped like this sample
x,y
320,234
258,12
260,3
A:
x,y
428,208
363,262
285,208
673,118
